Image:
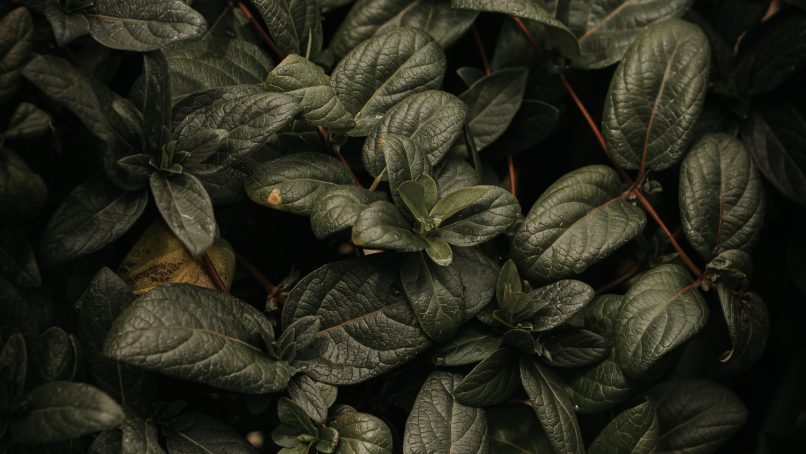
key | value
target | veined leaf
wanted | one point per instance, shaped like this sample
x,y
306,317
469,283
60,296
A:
x,y
195,432
28,121
455,173
187,209
748,326
439,424
363,20
656,96
338,207
16,43
492,381
56,357
470,345
634,430
575,348
156,101
513,428
579,220
473,215
294,24
382,226
435,295
14,364
384,70
722,201
778,55
492,103
360,433
405,161
436,17
558,302
312,396
22,192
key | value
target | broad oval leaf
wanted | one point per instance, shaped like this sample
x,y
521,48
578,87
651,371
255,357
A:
x,y
432,119
56,357
656,96
16,43
492,381
294,183
436,17
438,423
553,407
575,348
200,335
471,216
143,25
558,302
722,200
360,433
382,226
186,208
695,416
312,396
635,431
194,432
435,295
384,70
405,161
363,20
492,103
514,429
295,25
470,345
579,220
367,327
93,215
661,310
59,411
338,207
605,29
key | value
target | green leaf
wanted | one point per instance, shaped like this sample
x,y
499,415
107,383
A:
x,y
16,44
186,208
551,404
338,207
60,411
419,197
559,34
66,26
579,220
575,348
534,121
722,200
156,101
22,192
367,326
384,70
143,25
470,345
197,433
509,281
295,182
14,364
363,20
777,56
310,86
295,25
514,429
492,103
455,173
94,214
435,295
55,356
696,416
558,302
405,161
661,310
605,29
635,430
492,381
444,24
438,423
361,433
731,267
382,226
656,96
478,274
293,415
439,251
312,396
140,435
748,326
28,121
198,334
471,216
297,336
432,119
777,140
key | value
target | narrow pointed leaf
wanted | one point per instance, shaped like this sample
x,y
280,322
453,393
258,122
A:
x,y
16,44
492,103
187,209
435,294
492,381
338,207
471,344
361,433
635,431
559,301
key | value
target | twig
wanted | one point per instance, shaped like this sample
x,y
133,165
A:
x,y
513,179
274,291
377,181
325,135
480,45
213,273
264,35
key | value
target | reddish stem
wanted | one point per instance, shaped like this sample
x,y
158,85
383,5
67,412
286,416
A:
x,y
213,273
264,35
513,179
325,135
271,289
480,45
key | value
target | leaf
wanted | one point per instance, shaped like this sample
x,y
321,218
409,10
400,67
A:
x,y
363,20
59,411
16,44
777,56
156,101
435,295
534,121
455,173
478,275
722,201
200,335
748,326
558,302
777,141
22,192
193,433
656,96
338,207
310,87
513,428
439,424
381,226
474,215
367,326
696,416
405,161
66,26
492,103
470,345
17,260
432,119
295,182
575,348
361,433
490,382
559,34
187,209
436,17
635,430
297,336
93,215
384,70
27,122
143,25
312,396
295,25
661,310
605,29
55,356
140,435
293,415
579,220
14,364
553,407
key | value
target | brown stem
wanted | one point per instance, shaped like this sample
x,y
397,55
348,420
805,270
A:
x,y
480,45
624,277
325,135
213,273
513,179
264,35
271,289
377,181
654,215
528,35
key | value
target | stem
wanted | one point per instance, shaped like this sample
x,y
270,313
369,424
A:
x,y
271,289
480,45
377,181
528,35
213,273
325,135
654,215
513,179
264,35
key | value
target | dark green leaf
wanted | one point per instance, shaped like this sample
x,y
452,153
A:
x,y
27,122
405,161
579,220
508,281
478,275
748,326
140,435
17,260
662,310
66,26
295,416
575,348
778,55
361,433
143,25
16,43
435,295
93,215
22,192
634,430
533,122
492,103
470,345
59,411
558,302
492,381
436,17
439,251
200,335
367,325
732,267
439,424
553,407
455,174
384,70
294,24
14,364
363,20
55,356
656,96
156,101
312,396
186,208
338,207
382,226
297,336
514,429
473,215
194,433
